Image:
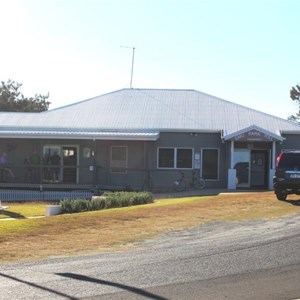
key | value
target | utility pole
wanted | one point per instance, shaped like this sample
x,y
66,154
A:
x,y
132,63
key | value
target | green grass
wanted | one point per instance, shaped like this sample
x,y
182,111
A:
x,y
23,210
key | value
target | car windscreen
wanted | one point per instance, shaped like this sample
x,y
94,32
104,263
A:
x,y
290,161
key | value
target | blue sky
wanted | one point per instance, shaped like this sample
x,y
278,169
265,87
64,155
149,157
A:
x,y
244,51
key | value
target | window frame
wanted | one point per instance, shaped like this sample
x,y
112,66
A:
x,y
175,162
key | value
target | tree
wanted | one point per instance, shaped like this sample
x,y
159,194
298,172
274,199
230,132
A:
x,y
11,99
295,96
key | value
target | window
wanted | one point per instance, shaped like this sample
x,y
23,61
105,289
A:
x,y
166,158
210,164
184,158
86,153
118,162
48,151
180,158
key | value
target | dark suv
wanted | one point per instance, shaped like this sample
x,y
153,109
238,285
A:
x,y
287,175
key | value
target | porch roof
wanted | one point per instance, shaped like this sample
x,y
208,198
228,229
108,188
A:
x,y
255,134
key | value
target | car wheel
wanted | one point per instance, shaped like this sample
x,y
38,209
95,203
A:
x,y
281,195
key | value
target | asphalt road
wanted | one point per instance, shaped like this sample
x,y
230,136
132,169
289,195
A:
x,y
233,260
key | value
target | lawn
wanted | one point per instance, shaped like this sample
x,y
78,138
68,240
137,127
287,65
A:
x,y
118,229
23,210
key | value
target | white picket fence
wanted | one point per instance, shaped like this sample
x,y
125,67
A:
x,y
29,195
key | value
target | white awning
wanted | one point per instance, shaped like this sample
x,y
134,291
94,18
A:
x,y
78,134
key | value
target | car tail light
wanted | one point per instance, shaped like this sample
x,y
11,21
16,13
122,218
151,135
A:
x,y
278,160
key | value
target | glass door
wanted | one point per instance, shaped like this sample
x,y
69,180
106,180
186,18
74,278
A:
x,y
51,164
69,164
241,164
60,164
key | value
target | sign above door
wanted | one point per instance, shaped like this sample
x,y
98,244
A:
x,y
253,134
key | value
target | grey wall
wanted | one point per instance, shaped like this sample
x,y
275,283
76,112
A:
x,y
133,177
164,179
142,156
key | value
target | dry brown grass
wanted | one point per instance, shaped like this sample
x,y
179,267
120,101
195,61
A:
x,y
117,229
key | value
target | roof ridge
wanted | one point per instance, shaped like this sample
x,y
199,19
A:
x,y
162,89
82,101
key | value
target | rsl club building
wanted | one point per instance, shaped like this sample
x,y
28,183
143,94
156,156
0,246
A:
x,y
142,138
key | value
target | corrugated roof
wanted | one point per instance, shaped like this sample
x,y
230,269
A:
x,y
148,111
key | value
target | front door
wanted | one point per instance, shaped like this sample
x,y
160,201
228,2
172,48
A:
x,y
259,168
69,164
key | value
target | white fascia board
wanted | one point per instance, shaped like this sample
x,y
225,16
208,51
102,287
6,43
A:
x,y
290,132
189,130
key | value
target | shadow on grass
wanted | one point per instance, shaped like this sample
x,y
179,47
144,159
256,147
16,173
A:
x,y
293,202
10,214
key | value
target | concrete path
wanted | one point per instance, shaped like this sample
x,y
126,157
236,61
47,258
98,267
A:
x,y
204,192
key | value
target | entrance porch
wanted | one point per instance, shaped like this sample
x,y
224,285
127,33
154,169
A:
x,y
252,158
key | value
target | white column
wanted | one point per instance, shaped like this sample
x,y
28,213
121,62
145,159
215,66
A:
x,y
273,155
231,154
231,172
272,169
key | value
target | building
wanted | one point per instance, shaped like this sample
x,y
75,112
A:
x,y
141,138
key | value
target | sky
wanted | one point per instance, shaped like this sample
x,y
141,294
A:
x,y
244,51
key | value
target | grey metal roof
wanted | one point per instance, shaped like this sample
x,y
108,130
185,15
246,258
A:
x,y
145,111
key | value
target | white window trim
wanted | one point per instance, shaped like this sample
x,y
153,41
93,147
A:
x,y
218,149
175,158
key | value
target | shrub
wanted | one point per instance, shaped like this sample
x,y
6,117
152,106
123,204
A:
x,y
122,199
66,206
97,203
73,206
108,200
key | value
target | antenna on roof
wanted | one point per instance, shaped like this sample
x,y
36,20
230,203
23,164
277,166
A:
x,y
133,49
